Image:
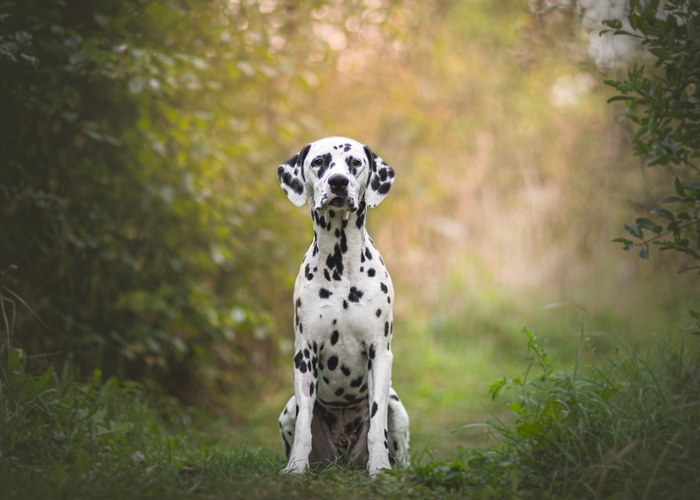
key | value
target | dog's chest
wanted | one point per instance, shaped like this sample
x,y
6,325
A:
x,y
349,319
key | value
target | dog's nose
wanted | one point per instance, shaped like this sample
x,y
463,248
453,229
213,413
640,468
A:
x,y
339,183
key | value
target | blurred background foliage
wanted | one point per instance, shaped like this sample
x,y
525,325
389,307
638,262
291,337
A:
x,y
139,202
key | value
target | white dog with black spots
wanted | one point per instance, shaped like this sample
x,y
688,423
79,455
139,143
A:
x,y
343,406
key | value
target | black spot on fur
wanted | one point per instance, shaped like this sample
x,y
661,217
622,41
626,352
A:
x,y
324,294
396,446
386,328
363,388
311,389
346,371
375,407
335,260
325,379
378,313
369,364
337,232
368,254
355,294
371,272
302,368
372,352
326,274
394,397
307,272
306,353
386,445
334,337
384,288
357,382
345,304
332,362
331,213
299,302
388,300
336,276
298,359
339,392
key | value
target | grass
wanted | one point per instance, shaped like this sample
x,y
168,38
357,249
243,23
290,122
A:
x,y
617,426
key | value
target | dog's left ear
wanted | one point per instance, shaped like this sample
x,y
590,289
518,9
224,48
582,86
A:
x,y
381,177
292,179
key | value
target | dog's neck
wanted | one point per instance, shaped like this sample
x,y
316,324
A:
x,y
338,234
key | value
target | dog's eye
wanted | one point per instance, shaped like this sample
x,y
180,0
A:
x,y
356,163
317,162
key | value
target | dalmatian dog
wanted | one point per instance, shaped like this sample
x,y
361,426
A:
x,y
343,408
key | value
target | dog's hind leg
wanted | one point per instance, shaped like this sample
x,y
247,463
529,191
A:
x,y
288,420
398,431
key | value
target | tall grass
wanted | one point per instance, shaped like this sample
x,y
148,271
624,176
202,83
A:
x,y
623,426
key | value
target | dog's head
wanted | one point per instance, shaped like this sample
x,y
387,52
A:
x,y
336,172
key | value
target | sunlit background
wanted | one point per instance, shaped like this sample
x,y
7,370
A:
x,y
513,177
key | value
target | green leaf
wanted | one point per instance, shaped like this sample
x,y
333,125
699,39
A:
x,y
644,252
529,430
640,131
628,245
645,223
664,213
613,23
621,98
679,188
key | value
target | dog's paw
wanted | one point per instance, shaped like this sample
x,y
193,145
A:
x,y
375,466
295,467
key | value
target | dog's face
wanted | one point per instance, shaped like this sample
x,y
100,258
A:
x,y
336,172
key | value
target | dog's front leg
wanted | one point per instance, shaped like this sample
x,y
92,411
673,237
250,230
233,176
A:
x,y
305,388
380,360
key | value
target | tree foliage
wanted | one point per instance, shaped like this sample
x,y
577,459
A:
x,y
666,110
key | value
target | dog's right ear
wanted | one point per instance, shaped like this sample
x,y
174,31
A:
x,y
292,179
